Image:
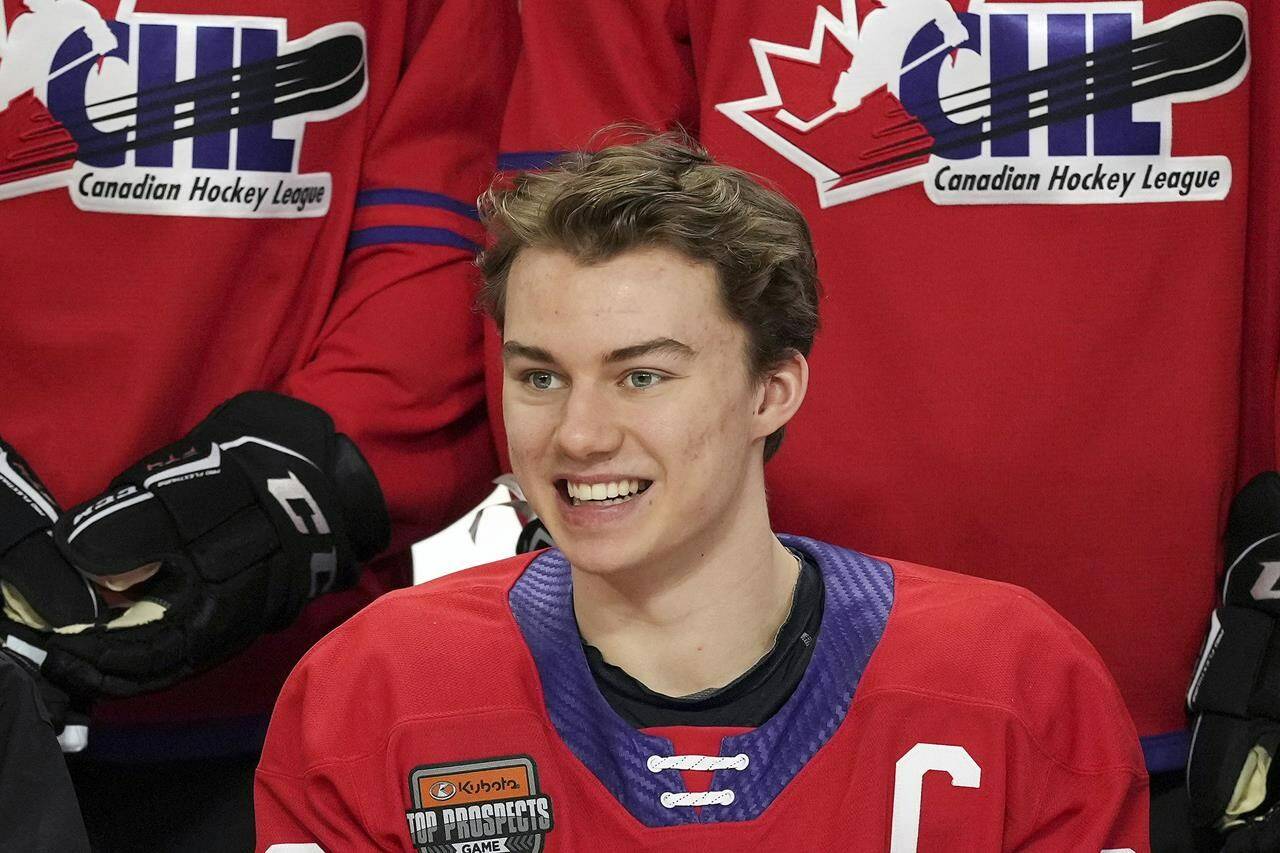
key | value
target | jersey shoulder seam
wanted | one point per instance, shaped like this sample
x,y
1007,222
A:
x,y
391,599
1031,737
381,746
1063,628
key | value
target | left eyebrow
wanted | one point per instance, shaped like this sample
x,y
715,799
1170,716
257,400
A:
x,y
657,345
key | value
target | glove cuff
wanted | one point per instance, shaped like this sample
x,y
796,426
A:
x,y
359,498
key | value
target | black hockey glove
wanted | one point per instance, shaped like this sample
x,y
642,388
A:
x,y
1260,835
40,590
214,540
1235,689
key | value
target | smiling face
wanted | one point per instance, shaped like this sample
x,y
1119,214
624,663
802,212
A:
x,y
634,425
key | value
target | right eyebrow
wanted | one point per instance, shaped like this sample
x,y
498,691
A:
x,y
515,349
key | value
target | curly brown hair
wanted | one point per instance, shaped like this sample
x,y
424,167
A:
x,y
665,190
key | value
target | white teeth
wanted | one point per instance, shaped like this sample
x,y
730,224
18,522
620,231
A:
x,y
614,492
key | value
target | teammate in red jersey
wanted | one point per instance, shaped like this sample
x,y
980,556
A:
x,y
201,199
1007,263
676,674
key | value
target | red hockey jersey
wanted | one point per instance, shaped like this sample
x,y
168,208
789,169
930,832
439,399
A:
x,y
205,198
1050,274
462,716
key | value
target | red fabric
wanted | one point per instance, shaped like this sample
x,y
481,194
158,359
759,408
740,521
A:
x,y
439,674
122,331
1046,394
1258,422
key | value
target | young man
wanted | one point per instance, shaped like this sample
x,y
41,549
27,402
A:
x,y
675,673
1005,321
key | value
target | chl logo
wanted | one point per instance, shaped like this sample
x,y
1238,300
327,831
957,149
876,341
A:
x,y
998,103
186,115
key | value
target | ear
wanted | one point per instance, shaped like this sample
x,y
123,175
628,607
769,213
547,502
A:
x,y
780,394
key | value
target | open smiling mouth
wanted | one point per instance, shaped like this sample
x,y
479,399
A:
x,y
601,494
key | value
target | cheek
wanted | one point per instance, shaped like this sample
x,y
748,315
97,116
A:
x,y
716,430
526,433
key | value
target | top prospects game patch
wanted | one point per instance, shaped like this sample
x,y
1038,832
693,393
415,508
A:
x,y
487,806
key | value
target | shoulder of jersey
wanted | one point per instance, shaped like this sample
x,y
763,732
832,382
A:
x,y
447,647
984,642
432,619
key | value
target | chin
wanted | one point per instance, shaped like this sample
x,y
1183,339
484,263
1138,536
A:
x,y
602,557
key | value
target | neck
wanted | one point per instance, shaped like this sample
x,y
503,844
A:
x,y
699,617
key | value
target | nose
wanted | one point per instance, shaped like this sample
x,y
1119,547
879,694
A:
x,y
589,425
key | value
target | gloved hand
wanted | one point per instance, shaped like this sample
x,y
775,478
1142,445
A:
x,y
212,541
1235,689
1261,835
32,570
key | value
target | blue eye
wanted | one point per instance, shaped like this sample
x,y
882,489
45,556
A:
x,y
542,380
643,379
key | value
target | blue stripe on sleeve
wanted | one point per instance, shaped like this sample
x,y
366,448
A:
x,y
418,198
527,160
1167,751
382,234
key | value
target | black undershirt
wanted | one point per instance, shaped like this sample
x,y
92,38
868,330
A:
x,y
751,698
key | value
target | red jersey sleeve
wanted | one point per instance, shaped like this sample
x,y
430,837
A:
x,y
397,362
324,747
1104,810
1089,788
288,811
296,798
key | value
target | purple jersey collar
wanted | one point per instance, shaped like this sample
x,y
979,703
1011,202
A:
x,y
859,594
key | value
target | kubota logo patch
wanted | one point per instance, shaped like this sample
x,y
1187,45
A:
x,y
487,806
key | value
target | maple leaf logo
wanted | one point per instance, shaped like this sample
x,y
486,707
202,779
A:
x,y
33,34
831,107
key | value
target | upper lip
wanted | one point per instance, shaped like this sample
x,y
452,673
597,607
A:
x,y
603,479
